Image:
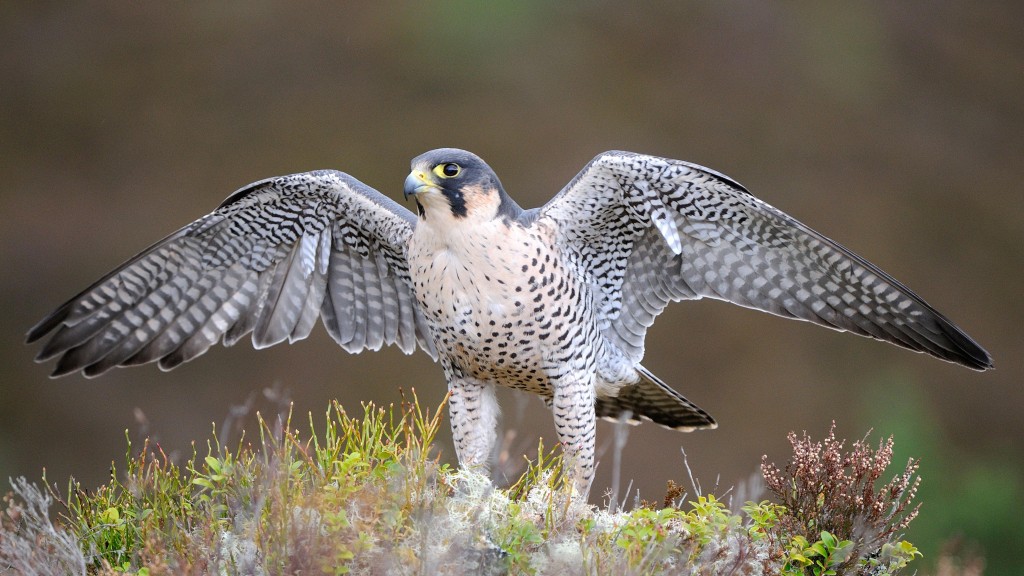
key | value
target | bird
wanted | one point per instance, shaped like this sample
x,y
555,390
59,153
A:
x,y
554,300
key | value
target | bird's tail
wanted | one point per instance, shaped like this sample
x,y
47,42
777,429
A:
x,y
651,399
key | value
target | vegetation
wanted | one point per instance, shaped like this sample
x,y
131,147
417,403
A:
x,y
368,495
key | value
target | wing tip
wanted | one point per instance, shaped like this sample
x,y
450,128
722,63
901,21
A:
x,y
977,359
59,371
46,325
963,349
980,360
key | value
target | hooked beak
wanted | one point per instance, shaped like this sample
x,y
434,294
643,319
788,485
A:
x,y
417,182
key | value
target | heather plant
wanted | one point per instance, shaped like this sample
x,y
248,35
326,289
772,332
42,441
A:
x,y
836,517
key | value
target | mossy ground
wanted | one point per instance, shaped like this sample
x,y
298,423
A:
x,y
367,495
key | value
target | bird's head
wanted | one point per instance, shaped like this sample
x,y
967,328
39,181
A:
x,y
452,183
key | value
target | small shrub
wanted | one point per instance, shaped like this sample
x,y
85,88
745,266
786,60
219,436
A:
x,y
826,492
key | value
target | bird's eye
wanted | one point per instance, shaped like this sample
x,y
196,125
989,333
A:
x,y
447,170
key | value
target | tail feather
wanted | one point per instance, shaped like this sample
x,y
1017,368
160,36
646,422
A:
x,y
651,399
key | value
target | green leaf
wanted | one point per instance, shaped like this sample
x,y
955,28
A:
x,y
818,548
213,464
110,516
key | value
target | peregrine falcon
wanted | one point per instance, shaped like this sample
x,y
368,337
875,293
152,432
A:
x,y
554,300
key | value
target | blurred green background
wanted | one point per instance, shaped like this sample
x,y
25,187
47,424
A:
x,y
895,128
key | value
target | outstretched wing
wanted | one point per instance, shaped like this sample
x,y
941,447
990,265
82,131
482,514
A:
x,y
274,257
651,230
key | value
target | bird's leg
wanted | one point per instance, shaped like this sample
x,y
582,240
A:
x,y
573,408
473,410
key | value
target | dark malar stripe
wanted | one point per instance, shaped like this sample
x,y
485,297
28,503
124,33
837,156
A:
x,y
457,202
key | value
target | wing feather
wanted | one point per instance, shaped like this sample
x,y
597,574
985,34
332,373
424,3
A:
x,y
651,230
313,302
374,305
277,315
359,319
340,323
274,257
389,300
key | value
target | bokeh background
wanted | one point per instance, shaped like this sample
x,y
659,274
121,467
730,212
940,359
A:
x,y
895,128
